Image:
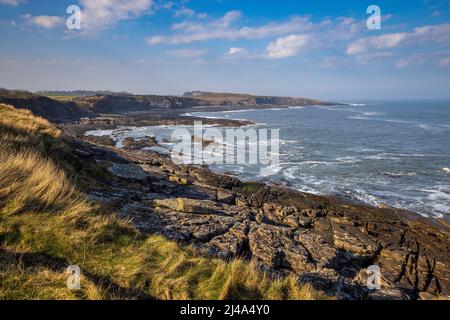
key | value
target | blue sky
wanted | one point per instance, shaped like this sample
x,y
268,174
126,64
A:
x,y
320,49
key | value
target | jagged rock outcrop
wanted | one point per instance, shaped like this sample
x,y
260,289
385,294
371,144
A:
x,y
138,144
102,140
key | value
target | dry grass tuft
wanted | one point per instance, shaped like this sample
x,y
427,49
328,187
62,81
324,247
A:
x,y
29,181
22,119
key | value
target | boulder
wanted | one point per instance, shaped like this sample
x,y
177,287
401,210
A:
x,y
209,178
138,144
207,230
128,171
190,205
387,294
234,242
323,254
179,180
351,239
226,196
429,296
392,262
297,221
275,249
101,140
324,279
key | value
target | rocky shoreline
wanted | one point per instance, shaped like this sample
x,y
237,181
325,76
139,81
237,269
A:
x,y
110,122
325,241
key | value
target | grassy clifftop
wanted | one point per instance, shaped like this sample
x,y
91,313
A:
x,y
236,99
47,224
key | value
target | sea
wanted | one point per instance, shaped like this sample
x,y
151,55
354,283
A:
x,y
383,153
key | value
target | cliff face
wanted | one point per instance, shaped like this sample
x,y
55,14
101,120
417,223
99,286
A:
x,y
252,100
122,103
135,103
289,101
43,106
79,107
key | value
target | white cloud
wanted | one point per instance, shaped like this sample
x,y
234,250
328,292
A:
x,y
13,3
408,61
378,42
166,5
437,34
236,51
436,13
98,15
373,56
8,23
202,15
184,12
439,58
227,19
287,47
445,62
187,53
46,22
344,28
222,28
329,62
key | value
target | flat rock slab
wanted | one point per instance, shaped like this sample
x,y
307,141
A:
x,y
190,205
275,248
352,239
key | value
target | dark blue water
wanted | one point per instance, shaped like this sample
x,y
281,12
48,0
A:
x,y
391,153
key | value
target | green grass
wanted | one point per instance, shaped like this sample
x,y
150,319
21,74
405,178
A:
x,y
61,98
47,224
252,187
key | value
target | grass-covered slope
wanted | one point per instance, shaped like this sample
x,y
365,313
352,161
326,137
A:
x,y
47,224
